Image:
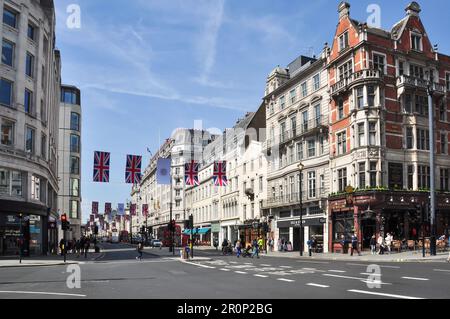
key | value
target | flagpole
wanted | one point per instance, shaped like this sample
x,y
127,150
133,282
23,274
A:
x,y
171,194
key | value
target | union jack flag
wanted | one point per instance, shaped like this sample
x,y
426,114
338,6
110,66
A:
x,y
95,208
101,167
107,208
220,174
133,169
191,174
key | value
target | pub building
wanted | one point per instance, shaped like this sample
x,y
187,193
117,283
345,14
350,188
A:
x,y
378,212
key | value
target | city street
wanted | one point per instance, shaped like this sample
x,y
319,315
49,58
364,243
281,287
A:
x,y
117,274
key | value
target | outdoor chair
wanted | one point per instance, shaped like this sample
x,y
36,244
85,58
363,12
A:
x,y
411,244
397,244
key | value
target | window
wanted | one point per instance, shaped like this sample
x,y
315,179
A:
x,y
74,187
28,102
31,32
409,138
372,133
416,42
271,108
261,185
74,143
342,143
361,135
317,114
305,121
442,111
345,70
371,95
340,108
444,179
70,96
16,183
44,146
43,112
304,89
7,53
379,63
74,165
9,18
407,100
447,80
423,139
316,81
312,148
401,68
291,154
360,97
7,133
373,174
292,186
35,188
311,184
422,105
29,65
293,96
282,102
362,174
444,143
410,177
343,41
294,126
322,184
299,151
423,177
74,209
321,145
10,183
75,121
29,140
6,89
416,71
342,179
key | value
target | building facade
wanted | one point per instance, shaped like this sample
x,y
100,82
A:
x,y
29,116
69,159
379,131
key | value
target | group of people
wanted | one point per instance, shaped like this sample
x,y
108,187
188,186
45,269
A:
x,y
241,249
383,243
284,245
78,247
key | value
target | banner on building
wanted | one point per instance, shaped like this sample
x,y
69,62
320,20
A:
x,y
107,208
191,173
220,174
121,209
95,208
163,171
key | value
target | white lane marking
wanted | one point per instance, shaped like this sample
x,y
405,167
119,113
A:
x,y
365,265
233,262
317,285
262,276
382,294
369,274
313,269
98,281
313,262
41,293
199,265
285,267
265,265
241,272
224,269
287,280
358,278
444,270
338,271
415,278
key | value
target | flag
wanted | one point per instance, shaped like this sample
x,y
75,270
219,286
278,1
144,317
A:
x,y
191,173
145,209
101,167
92,218
107,208
95,208
133,209
121,209
133,169
163,171
220,173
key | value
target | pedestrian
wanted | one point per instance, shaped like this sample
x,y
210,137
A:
x,y
261,244
280,244
216,243
373,245
82,243
381,245
355,245
255,248
310,244
62,245
86,247
78,248
388,241
238,248
289,246
74,246
224,246
140,248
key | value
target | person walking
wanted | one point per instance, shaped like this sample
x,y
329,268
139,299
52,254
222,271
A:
x,y
381,245
255,248
310,244
373,245
261,244
62,244
87,245
355,245
238,248
388,241
140,248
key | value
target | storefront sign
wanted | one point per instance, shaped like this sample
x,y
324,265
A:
x,y
215,228
306,222
339,204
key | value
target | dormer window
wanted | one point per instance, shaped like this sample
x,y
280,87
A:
x,y
416,42
343,41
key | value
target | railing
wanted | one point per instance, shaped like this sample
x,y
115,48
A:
x,y
294,198
417,82
356,76
302,129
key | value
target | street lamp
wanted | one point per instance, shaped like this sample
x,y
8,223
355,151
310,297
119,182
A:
x,y
300,168
430,91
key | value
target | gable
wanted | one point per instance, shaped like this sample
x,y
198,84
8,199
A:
x,y
345,24
414,25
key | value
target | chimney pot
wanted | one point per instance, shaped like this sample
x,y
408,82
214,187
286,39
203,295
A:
x,y
344,9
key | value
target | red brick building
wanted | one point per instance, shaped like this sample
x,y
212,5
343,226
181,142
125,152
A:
x,y
379,132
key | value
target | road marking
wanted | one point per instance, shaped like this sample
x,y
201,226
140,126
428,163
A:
x,y
313,269
382,294
313,262
224,269
287,280
317,285
41,293
199,265
358,278
262,276
338,271
369,274
365,265
416,278
233,262
241,272
445,270
265,265
285,267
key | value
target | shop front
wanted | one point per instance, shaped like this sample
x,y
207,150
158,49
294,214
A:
x,y
289,231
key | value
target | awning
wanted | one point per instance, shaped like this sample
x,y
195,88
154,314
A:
x,y
200,231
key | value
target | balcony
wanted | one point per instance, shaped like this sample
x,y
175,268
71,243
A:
x,y
406,81
319,124
293,199
353,79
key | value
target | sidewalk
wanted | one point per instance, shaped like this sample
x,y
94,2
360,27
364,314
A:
x,y
164,253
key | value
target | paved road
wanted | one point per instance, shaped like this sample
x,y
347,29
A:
x,y
117,274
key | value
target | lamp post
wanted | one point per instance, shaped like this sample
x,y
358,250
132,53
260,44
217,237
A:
x,y
20,238
430,91
300,168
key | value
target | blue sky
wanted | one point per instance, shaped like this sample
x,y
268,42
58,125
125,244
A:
x,y
146,67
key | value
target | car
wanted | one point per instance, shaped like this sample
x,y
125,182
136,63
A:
x,y
156,243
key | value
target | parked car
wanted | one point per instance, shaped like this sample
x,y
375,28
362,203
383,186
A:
x,y
155,243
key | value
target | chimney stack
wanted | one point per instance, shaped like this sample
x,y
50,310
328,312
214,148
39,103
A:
x,y
344,10
413,9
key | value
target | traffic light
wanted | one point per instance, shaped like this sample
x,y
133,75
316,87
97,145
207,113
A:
x,y
65,225
172,225
142,229
191,221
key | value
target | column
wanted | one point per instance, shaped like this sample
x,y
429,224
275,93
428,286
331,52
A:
x,y
356,223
